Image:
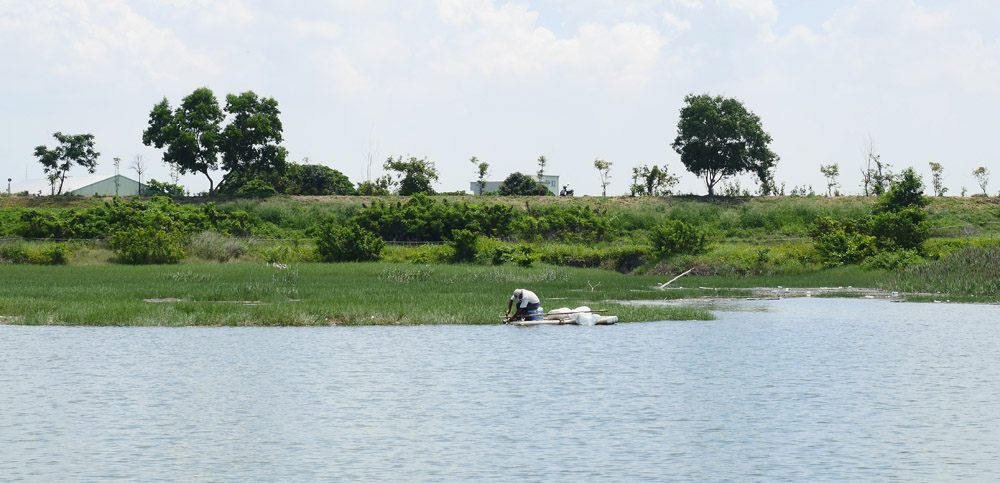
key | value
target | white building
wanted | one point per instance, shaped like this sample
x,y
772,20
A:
x,y
98,184
550,182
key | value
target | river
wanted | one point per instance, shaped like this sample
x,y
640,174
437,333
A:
x,y
788,390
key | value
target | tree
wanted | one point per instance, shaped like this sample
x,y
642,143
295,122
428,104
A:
x,y
936,170
603,169
318,180
378,187
249,144
520,184
73,149
877,176
156,188
414,175
831,171
718,137
190,133
905,191
982,177
541,167
653,181
139,166
482,169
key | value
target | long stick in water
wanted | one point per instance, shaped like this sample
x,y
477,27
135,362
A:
x,y
663,286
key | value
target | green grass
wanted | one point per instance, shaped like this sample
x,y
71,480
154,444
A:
x,y
972,272
312,294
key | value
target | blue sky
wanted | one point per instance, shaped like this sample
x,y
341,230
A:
x,y
573,80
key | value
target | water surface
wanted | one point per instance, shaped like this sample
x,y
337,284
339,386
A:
x,y
796,389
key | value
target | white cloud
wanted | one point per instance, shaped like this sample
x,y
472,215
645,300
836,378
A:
x,y
694,4
758,9
226,13
508,40
322,29
460,12
107,42
675,23
915,19
337,65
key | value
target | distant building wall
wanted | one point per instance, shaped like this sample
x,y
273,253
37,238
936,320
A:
x,y
106,187
550,182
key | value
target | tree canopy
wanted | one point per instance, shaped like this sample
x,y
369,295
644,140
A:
x,y
316,179
413,175
190,133
906,191
72,149
194,137
718,137
655,181
250,142
520,184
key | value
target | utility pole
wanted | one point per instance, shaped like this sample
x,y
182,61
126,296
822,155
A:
x,y
118,163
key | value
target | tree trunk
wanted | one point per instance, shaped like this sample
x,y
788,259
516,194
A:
x,y
62,179
211,184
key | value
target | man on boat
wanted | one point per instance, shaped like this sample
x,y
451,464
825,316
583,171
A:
x,y
527,304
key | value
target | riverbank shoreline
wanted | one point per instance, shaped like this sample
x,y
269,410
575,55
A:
x,y
356,294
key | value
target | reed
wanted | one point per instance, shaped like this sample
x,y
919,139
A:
x,y
311,294
971,271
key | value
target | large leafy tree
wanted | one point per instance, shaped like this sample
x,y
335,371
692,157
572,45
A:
x,y
413,175
250,142
72,149
718,137
190,133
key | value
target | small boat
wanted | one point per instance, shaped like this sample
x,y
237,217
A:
x,y
602,320
565,316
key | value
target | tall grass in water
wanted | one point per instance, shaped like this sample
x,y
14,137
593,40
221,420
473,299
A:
x,y
311,294
974,270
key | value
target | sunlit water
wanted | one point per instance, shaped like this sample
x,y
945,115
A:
x,y
797,390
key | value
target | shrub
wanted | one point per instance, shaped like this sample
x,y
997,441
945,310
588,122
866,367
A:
x,y
627,258
156,188
501,254
139,245
464,245
893,260
520,184
839,242
907,191
211,245
677,237
855,240
903,229
350,243
33,254
524,256
256,188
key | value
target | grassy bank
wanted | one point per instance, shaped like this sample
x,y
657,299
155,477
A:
x,y
311,294
222,277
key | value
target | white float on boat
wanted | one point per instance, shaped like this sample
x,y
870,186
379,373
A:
x,y
567,316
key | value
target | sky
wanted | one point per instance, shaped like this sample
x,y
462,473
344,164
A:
x,y
509,81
